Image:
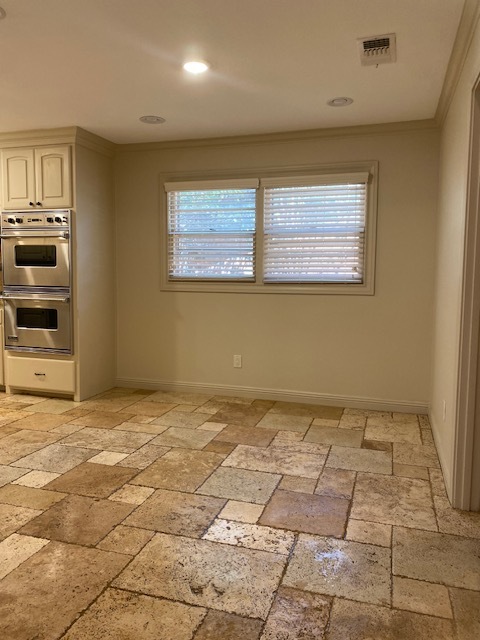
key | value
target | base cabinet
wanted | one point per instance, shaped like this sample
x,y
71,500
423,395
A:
x,y
40,374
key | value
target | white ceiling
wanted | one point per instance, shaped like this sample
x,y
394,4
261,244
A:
x,y
101,64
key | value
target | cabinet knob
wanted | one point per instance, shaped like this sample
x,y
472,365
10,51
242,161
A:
x,y
31,204
39,204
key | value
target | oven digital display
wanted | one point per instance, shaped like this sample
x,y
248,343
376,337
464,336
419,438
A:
x,y
29,318
33,255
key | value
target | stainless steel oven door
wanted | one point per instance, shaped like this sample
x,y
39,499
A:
x,y
37,323
36,261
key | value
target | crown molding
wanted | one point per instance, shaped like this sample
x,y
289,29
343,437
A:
x,y
463,40
63,135
95,143
283,137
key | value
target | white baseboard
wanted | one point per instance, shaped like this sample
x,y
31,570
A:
x,y
277,394
445,467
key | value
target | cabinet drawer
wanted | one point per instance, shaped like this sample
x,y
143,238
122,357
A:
x,y
39,373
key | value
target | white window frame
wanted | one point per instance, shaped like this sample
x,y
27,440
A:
x,y
258,286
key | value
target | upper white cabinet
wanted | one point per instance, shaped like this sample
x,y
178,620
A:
x,y
39,177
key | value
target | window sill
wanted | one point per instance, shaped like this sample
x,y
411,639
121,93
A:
x,y
295,289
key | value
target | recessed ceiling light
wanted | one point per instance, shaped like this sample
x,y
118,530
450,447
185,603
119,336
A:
x,y
196,66
3,13
152,119
339,102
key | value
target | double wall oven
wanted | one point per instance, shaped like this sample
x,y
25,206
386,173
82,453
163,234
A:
x,y
36,263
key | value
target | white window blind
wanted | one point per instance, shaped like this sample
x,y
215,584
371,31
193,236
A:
x,y
211,230
314,229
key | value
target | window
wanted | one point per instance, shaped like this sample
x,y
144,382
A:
x,y
285,234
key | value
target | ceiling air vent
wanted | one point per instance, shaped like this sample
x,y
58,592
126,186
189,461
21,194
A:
x,y
378,49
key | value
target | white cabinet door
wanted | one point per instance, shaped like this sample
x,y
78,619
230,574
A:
x,y
18,178
53,177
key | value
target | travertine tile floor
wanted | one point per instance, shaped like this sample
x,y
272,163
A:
x,y
147,515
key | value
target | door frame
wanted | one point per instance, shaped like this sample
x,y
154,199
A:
x,y
466,462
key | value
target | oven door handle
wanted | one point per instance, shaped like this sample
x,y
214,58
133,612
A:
x,y
35,299
62,236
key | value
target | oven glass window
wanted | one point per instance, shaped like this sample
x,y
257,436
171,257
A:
x,y
33,255
37,318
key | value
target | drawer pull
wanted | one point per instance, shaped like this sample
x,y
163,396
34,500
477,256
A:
x,y
39,374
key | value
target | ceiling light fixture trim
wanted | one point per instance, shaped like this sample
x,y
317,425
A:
x,y
341,101
152,119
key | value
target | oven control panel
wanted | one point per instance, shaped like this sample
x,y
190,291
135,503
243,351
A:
x,y
37,220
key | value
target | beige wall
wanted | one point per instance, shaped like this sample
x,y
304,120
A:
x,y
363,348
449,270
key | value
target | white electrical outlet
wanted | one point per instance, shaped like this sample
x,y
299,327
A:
x,y
237,362
444,410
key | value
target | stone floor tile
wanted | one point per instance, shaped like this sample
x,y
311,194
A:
x,y
7,429
325,422
405,502
466,610
108,457
297,615
241,511
101,419
436,557
359,621
78,520
150,409
369,532
181,419
352,422
340,568
234,400
217,427
41,421
36,479
391,431
281,422
300,485
421,597
129,540
222,448
143,457
177,513
59,573
455,521
119,614
131,494
320,515
29,497
336,483
110,405
333,435
417,455
66,429
179,397
184,438
307,410
360,460
55,458
404,418
222,626
424,422
22,443
263,404
186,408
246,435
140,419
13,518
16,549
54,406
240,484
377,445
206,574
94,480
276,460
250,536
427,437
437,483
77,413
180,470
290,437
108,440
410,471
10,474
141,427
238,414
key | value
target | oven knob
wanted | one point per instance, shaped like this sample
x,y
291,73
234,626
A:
x,y
19,220
11,220
49,219
57,219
